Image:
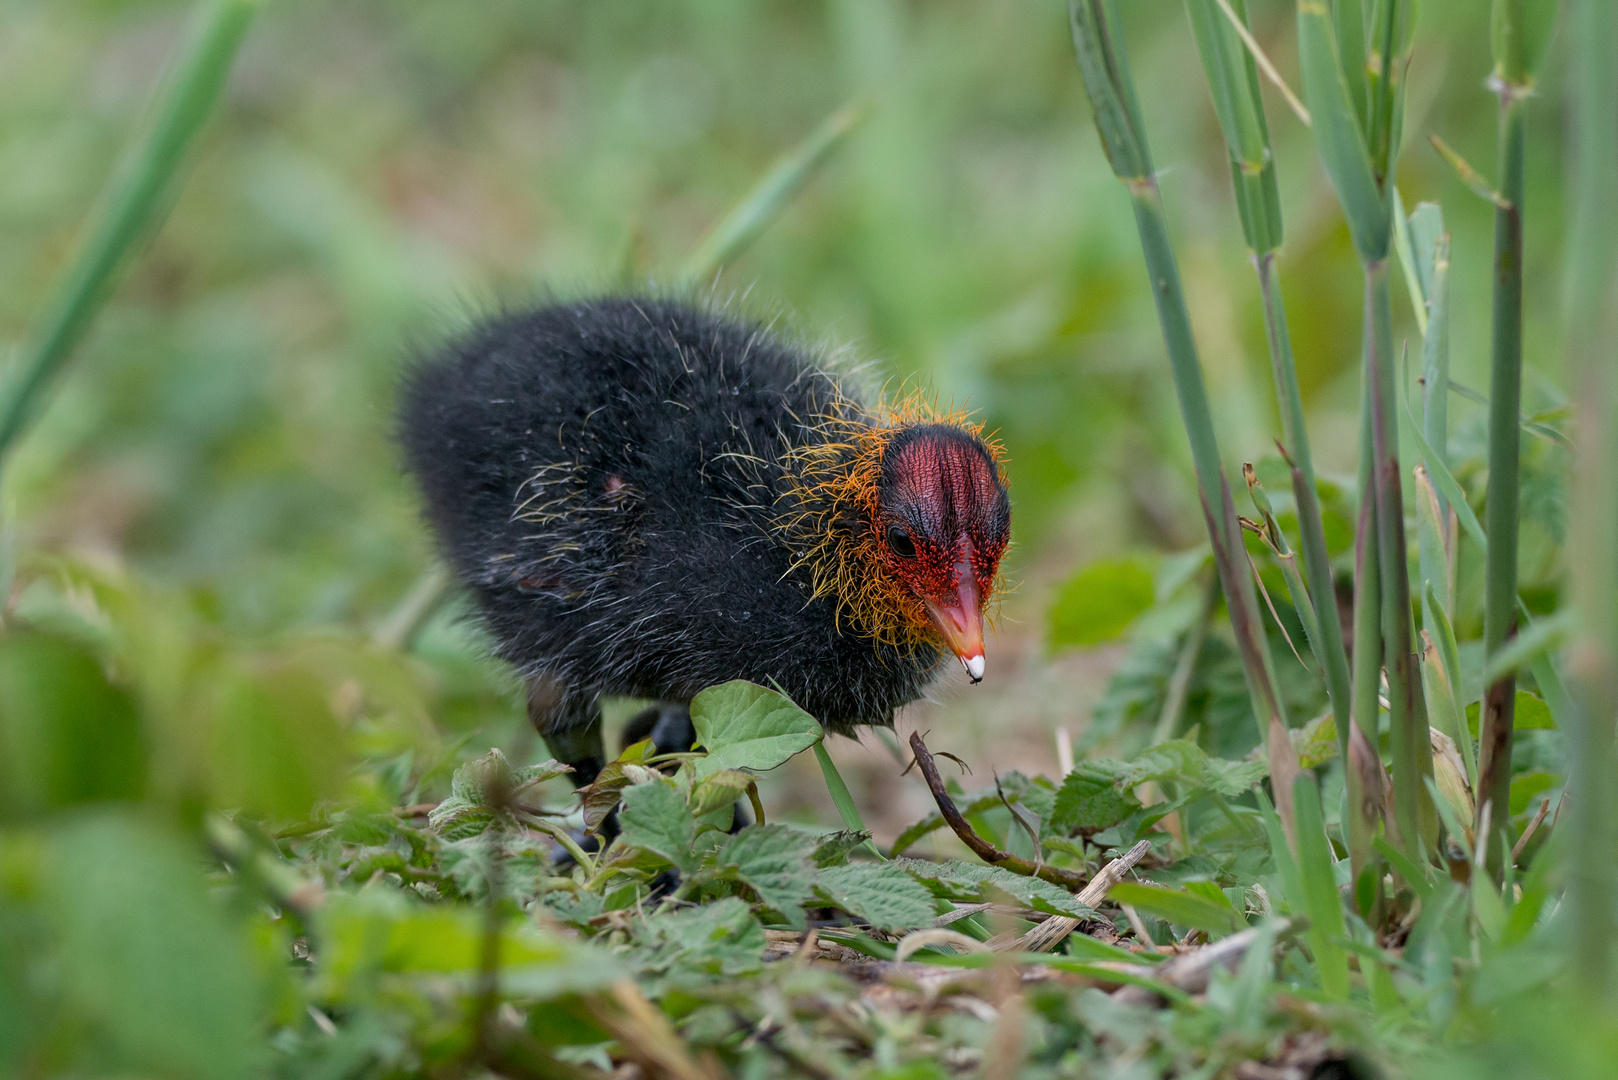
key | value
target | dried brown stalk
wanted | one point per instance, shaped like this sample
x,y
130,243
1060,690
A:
x,y
1067,879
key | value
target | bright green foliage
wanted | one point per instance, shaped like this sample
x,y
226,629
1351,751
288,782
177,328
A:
x,y
1182,907
68,735
746,726
1097,604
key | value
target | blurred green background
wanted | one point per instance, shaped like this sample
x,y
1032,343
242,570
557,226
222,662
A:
x,y
378,172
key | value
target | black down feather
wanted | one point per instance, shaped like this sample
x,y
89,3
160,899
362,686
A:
x,y
602,475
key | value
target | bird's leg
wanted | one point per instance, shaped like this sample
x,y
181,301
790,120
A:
x,y
667,724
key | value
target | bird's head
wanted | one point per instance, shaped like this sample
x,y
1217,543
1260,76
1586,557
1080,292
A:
x,y
900,516
941,523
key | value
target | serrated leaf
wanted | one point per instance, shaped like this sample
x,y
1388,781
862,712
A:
x,y
366,830
774,861
1179,906
655,818
155,965
974,882
718,791
1090,798
880,893
746,726
835,848
718,939
1013,785
1181,761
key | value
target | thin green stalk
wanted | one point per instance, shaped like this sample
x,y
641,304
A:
x,y
1406,727
1593,509
1505,402
132,204
1104,66
847,809
1311,528
774,191
1366,775
1233,82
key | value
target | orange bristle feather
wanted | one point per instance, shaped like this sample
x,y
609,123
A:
x,y
834,484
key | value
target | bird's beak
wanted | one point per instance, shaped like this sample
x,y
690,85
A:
x,y
959,619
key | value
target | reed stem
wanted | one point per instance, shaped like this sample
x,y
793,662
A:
x,y
1412,804
1366,708
1593,510
1104,64
1505,404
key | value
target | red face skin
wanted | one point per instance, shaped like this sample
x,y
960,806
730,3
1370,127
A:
x,y
942,523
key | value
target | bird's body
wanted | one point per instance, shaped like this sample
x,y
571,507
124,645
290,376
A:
x,y
644,498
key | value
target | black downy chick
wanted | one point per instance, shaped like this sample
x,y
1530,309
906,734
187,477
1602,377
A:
x,y
648,498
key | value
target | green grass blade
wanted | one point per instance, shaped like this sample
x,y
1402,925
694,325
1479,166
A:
x,y
1444,480
1233,83
840,797
1322,904
1404,247
131,206
1537,640
1338,131
1286,864
1105,70
737,230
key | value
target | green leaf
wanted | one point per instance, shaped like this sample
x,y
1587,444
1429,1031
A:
x,y
467,811
1524,786
834,848
1179,906
381,931
745,726
975,882
600,797
1090,798
157,966
654,817
1528,713
1183,762
67,735
774,861
718,791
1097,604
880,893
1322,904
718,939
277,746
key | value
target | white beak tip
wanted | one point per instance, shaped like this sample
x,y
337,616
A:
x,y
974,666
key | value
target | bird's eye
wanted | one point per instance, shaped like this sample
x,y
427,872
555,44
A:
x,y
900,542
